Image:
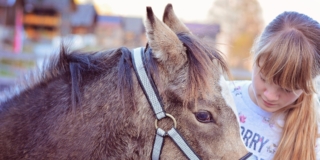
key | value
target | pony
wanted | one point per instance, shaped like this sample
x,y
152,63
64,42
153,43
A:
x,y
92,106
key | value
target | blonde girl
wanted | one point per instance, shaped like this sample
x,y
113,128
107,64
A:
x,y
278,108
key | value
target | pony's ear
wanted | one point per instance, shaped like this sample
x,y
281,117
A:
x,y
170,19
163,41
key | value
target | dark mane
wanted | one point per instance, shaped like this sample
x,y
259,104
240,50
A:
x,y
77,66
80,65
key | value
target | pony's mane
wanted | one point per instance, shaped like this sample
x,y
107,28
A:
x,y
75,65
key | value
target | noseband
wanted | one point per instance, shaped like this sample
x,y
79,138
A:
x,y
151,92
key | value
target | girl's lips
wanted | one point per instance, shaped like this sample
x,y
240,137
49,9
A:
x,y
267,103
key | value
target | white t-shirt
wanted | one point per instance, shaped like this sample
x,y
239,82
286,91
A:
x,y
259,134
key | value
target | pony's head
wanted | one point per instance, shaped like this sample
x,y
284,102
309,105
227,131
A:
x,y
193,89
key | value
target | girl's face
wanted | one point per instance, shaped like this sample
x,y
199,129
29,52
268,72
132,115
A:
x,y
269,96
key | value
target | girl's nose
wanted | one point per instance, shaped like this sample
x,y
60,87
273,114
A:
x,y
271,94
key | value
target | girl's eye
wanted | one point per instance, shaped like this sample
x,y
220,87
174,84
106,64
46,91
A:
x,y
262,78
288,91
204,116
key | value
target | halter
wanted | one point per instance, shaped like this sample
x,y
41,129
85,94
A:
x,y
151,92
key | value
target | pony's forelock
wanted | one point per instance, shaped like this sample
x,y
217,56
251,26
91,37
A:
x,y
201,58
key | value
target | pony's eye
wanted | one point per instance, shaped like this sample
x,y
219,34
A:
x,y
204,116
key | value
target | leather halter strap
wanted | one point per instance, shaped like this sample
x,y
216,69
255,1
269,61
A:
x,y
155,102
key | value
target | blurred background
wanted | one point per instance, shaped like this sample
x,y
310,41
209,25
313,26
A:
x,y
31,30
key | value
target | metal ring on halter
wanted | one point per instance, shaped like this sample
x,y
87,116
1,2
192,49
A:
x,y
170,116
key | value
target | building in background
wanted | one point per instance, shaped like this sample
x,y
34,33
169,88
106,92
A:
x,y
26,22
11,28
134,32
84,20
116,31
109,31
83,26
25,27
45,19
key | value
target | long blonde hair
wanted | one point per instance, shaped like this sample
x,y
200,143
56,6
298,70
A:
x,y
289,48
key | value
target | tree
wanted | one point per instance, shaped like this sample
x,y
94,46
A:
x,y
241,22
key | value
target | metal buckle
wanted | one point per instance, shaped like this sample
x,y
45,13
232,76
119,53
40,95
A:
x,y
170,116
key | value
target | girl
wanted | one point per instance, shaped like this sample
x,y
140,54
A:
x,y
278,108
